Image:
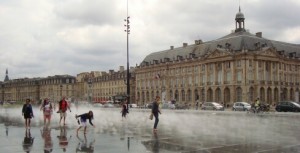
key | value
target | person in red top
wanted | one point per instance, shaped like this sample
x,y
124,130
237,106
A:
x,y
63,106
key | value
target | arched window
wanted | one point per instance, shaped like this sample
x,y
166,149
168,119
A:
x,y
239,94
218,95
182,95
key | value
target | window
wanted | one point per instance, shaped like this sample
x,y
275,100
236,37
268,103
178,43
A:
x,y
228,64
203,67
228,76
238,63
239,76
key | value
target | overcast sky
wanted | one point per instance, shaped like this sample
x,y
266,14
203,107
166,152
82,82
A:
x,y
54,37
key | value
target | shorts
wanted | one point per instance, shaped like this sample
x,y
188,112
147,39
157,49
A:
x,y
63,114
27,116
83,123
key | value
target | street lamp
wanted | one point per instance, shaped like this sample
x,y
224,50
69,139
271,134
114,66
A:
x,y
61,86
90,93
128,74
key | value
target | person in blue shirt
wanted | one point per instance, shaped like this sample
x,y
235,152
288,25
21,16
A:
x,y
83,118
27,113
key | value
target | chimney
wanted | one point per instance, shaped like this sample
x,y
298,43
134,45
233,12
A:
x,y
171,47
198,42
121,69
185,44
259,34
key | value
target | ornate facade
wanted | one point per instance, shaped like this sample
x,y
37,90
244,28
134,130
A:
x,y
112,86
53,87
237,67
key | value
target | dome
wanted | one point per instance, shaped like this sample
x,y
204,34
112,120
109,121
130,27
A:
x,y
239,15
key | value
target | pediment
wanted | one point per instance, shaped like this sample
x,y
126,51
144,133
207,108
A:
x,y
269,52
217,53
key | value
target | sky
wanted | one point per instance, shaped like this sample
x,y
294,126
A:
x,y
56,37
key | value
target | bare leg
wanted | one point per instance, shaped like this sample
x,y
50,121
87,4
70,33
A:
x,y
64,120
29,121
85,130
26,123
78,129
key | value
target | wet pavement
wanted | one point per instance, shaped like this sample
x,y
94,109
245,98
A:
x,y
178,131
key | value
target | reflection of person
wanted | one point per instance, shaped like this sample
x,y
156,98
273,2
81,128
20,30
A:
x,y
27,113
28,141
63,139
124,110
47,110
46,135
155,147
63,106
155,111
83,145
83,119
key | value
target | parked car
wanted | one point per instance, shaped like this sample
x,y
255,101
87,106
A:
x,y
241,106
168,105
212,106
97,105
287,106
181,106
133,105
149,105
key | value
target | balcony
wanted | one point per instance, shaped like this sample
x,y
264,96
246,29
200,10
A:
x,y
276,82
226,82
239,82
251,81
269,82
217,83
262,82
209,83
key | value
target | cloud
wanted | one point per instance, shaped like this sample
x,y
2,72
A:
x,y
46,38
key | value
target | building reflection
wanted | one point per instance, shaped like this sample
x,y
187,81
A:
x,y
84,146
153,144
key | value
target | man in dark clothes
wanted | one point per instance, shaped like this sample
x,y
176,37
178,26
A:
x,y
155,111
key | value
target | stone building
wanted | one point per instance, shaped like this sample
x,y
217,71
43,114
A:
x,y
111,86
53,87
237,67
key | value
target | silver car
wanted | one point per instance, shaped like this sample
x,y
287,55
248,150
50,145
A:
x,y
241,106
212,106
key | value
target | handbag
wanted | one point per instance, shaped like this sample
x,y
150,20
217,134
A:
x,y
151,116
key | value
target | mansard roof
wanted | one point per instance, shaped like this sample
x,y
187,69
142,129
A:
x,y
239,40
233,42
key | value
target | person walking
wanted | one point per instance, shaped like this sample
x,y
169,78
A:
x,y
257,105
124,110
27,113
47,110
155,111
83,118
63,107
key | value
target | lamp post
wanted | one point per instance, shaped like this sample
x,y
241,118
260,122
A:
x,y
128,74
61,86
90,93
